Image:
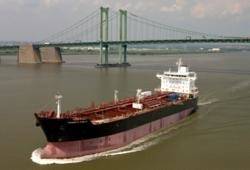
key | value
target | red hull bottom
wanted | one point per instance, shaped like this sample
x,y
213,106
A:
x,y
96,145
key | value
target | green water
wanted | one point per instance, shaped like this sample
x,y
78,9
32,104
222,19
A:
x,y
216,137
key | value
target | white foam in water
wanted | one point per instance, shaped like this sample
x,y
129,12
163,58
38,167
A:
x,y
136,146
240,86
211,101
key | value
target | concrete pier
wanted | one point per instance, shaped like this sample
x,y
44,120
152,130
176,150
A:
x,y
51,55
28,54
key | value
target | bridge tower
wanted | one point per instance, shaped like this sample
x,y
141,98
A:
x,y
104,35
123,36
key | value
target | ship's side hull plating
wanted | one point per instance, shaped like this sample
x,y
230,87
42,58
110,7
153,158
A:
x,y
62,130
118,135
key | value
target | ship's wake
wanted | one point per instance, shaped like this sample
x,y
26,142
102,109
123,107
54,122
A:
x,y
136,146
208,102
35,157
240,86
133,147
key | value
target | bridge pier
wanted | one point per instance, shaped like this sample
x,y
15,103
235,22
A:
x,y
104,58
29,54
104,50
123,55
101,54
123,37
104,27
106,54
51,55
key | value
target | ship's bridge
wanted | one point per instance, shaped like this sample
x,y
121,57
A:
x,y
180,81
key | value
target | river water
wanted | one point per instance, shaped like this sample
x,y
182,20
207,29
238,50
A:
x,y
216,137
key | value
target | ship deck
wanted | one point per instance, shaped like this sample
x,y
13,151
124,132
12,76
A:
x,y
112,111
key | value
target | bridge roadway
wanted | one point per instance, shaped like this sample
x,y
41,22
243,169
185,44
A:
x,y
97,43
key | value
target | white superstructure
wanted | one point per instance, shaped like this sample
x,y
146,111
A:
x,y
180,81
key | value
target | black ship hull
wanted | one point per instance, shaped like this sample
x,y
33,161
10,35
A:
x,y
58,130
67,139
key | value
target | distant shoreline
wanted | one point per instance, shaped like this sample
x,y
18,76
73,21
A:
x,y
134,51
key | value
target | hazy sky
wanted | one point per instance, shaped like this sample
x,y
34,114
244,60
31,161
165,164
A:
x,y
35,19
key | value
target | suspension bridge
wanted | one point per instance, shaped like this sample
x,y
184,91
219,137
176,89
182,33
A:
x,y
106,27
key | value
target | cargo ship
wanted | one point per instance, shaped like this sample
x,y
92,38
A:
x,y
95,129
